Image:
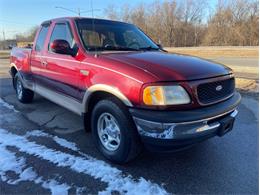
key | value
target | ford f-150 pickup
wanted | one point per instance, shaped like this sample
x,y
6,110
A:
x,y
130,92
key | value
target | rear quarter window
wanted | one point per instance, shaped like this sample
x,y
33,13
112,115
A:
x,y
41,38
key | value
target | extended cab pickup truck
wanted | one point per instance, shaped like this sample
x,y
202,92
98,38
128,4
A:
x,y
129,90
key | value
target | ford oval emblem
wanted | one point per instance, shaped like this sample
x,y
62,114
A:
x,y
219,88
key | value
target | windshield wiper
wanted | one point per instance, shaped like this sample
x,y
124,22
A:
x,y
149,48
92,48
119,48
112,48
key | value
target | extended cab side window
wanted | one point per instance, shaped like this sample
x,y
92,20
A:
x,y
41,38
62,31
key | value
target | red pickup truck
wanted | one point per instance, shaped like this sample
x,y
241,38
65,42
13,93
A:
x,y
129,90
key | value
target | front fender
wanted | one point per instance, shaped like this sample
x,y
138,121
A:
x,y
108,89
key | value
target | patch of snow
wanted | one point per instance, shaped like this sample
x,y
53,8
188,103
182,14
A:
x,y
28,174
56,188
80,190
5,104
60,141
98,169
37,133
10,163
65,143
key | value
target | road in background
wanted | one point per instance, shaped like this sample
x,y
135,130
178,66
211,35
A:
x,y
243,67
241,62
4,68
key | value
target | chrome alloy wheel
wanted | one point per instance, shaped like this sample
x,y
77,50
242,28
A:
x,y
19,89
108,131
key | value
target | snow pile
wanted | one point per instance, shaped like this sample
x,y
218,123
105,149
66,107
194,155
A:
x,y
55,187
5,104
89,166
37,133
10,163
65,143
60,141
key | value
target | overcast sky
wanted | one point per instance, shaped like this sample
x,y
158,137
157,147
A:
x,y
17,16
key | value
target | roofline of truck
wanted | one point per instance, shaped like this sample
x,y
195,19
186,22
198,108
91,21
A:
x,y
76,17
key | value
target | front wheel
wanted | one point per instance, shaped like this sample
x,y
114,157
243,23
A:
x,y
114,131
23,95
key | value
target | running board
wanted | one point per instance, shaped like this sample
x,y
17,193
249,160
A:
x,y
59,99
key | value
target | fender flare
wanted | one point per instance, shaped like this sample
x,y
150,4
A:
x,y
108,89
13,65
25,84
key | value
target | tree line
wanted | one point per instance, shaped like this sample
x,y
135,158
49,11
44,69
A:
x,y
27,36
183,23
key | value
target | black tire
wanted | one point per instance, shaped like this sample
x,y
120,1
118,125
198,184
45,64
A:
x,y
130,145
25,95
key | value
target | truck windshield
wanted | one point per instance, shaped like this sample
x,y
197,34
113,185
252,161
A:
x,y
103,35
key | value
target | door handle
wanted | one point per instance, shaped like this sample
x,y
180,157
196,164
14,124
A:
x,y
44,63
84,72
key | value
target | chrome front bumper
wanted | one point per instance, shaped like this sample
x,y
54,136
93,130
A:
x,y
219,125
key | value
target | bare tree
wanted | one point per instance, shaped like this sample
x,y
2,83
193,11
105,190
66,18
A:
x,y
138,16
28,36
126,13
234,23
188,22
111,12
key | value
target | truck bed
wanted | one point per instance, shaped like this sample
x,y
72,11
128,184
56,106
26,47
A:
x,y
20,57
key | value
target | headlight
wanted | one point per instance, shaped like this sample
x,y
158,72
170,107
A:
x,y
165,95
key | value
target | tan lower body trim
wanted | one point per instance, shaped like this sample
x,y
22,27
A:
x,y
60,99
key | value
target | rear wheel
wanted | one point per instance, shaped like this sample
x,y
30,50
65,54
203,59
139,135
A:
x,y
114,131
23,95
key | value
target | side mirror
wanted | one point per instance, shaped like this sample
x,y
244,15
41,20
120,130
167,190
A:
x,y
62,47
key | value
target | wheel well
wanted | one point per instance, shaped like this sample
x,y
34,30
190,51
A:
x,y
93,100
13,71
97,96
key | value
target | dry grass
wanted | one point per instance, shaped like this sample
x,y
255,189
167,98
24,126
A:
x,y
247,85
216,51
4,54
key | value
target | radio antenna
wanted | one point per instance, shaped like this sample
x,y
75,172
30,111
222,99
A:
x,y
93,25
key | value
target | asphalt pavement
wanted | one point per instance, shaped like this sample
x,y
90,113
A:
x,y
237,61
54,154
243,67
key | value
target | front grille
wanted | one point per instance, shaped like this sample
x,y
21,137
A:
x,y
215,91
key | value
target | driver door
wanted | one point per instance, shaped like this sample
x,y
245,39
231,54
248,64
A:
x,y
62,70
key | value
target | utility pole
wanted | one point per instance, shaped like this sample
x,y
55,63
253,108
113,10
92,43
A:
x,y
3,35
77,11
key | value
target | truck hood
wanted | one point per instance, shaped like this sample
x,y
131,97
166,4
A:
x,y
171,67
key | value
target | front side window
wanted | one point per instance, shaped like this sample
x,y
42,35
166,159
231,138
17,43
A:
x,y
110,35
62,31
41,38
